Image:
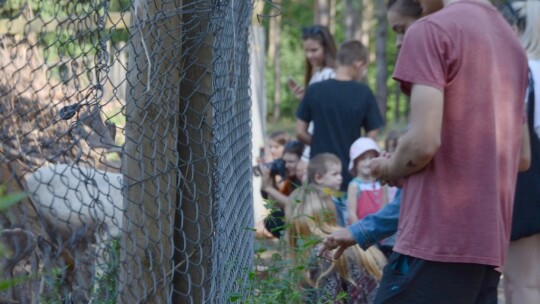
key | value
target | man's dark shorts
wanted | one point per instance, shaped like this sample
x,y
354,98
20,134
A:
x,y
411,280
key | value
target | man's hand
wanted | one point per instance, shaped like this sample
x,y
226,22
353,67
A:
x,y
340,239
380,168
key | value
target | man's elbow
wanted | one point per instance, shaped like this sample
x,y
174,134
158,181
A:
x,y
299,135
372,134
524,163
303,137
426,149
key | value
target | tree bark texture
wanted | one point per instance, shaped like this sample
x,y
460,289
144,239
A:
x,y
322,12
366,23
381,58
351,18
194,226
149,155
275,27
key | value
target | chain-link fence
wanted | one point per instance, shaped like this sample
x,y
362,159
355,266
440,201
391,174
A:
x,y
128,124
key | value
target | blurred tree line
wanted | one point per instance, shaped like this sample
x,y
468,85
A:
x,y
63,33
363,20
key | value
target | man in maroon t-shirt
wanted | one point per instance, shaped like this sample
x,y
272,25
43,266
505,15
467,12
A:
x,y
466,74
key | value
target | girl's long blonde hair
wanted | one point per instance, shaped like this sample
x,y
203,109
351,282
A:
x,y
310,216
529,11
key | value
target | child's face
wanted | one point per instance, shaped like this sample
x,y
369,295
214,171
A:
x,y
314,52
301,170
332,178
275,149
363,161
291,161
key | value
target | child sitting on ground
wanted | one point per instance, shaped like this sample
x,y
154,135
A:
x,y
353,278
364,194
276,144
324,171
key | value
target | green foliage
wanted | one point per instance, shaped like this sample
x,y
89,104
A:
x,y
106,290
296,14
7,284
8,200
53,278
119,5
62,8
70,39
291,66
279,272
273,281
278,278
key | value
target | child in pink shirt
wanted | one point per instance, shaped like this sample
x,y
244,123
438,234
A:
x,y
365,195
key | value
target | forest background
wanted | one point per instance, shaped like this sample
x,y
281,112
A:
x,y
363,20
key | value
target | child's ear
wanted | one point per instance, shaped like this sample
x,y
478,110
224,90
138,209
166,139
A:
x,y
317,178
360,63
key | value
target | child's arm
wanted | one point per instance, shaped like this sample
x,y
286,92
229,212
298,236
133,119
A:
x,y
352,199
297,89
268,185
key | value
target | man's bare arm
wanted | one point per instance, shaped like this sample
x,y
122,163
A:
x,y
372,134
417,147
302,132
525,150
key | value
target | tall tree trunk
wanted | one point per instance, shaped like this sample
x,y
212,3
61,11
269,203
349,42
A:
x,y
258,10
333,11
274,57
367,21
381,60
351,18
149,156
322,12
273,28
195,229
363,34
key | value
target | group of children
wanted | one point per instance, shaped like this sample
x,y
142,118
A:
x,y
364,195
317,207
335,187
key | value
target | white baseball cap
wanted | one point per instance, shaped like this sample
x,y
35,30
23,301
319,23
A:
x,y
361,146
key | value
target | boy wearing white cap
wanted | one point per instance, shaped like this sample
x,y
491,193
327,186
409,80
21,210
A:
x,y
364,194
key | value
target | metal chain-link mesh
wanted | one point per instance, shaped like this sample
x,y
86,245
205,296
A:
x,y
127,122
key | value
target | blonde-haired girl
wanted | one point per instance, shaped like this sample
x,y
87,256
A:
x,y
311,216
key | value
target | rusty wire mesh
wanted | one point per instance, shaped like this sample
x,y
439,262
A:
x,y
128,124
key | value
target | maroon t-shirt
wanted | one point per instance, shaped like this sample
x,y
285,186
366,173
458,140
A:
x,y
458,209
